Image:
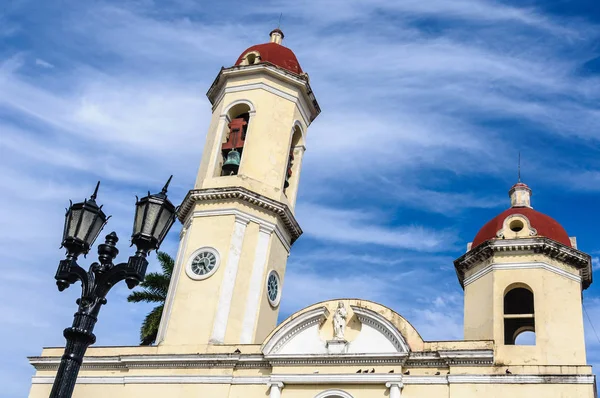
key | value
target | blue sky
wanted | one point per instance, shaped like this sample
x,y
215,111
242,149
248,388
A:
x,y
425,108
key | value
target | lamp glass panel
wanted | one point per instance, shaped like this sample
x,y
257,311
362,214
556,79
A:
x,y
96,228
139,217
74,215
151,215
86,223
163,224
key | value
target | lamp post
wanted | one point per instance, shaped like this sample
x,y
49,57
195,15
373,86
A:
x,y
154,216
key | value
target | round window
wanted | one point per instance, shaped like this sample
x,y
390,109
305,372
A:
x,y
203,263
273,288
516,225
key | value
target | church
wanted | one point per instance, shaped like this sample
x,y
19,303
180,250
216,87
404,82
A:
x,y
219,337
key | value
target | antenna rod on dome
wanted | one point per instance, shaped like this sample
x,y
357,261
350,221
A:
x,y
519,166
279,24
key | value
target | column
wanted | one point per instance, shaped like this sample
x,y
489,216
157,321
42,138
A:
x,y
275,389
395,389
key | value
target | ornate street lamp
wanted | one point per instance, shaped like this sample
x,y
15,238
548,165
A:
x,y
154,216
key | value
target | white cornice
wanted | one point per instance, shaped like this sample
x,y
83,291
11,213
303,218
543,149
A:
x,y
281,210
179,361
331,379
398,358
535,245
521,379
339,378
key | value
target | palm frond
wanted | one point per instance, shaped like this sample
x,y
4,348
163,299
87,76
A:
x,y
167,263
155,288
149,329
145,297
156,283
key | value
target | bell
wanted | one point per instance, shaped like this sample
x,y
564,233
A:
x,y
232,164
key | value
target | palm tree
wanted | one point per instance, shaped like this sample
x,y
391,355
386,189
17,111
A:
x,y
156,286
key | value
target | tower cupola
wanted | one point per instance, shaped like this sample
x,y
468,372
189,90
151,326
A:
x,y
520,195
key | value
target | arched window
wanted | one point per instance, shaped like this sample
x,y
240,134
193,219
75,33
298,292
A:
x,y
233,146
519,316
293,159
334,394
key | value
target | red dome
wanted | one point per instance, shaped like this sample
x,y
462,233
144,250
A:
x,y
276,54
546,226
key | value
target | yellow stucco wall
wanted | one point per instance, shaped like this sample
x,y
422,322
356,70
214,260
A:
x,y
558,311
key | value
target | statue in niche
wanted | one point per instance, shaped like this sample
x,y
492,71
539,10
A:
x,y
339,321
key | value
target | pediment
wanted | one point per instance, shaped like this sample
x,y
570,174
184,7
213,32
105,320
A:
x,y
309,332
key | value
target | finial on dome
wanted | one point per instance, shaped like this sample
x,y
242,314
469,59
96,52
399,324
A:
x,y
520,195
276,36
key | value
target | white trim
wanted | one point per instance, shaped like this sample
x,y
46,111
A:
x,y
512,266
273,303
228,282
521,379
292,327
384,326
337,378
227,108
170,379
282,235
428,380
216,151
255,287
333,379
334,394
166,315
188,268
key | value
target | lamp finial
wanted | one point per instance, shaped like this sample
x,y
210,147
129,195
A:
x,y
164,190
95,194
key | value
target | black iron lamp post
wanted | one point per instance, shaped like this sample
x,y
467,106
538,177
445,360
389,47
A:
x,y
154,216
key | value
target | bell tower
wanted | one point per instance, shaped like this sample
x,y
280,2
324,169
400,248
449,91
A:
x,y
238,221
523,279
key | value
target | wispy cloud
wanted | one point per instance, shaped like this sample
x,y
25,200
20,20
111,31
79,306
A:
x,y
425,107
360,227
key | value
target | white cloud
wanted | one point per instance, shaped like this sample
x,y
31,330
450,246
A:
x,y
43,64
360,227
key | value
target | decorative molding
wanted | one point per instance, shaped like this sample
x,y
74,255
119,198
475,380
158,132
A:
x,y
439,359
263,225
337,378
238,193
338,359
384,326
171,379
255,285
521,379
292,327
228,281
512,266
538,245
331,379
508,220
467,357
424,379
